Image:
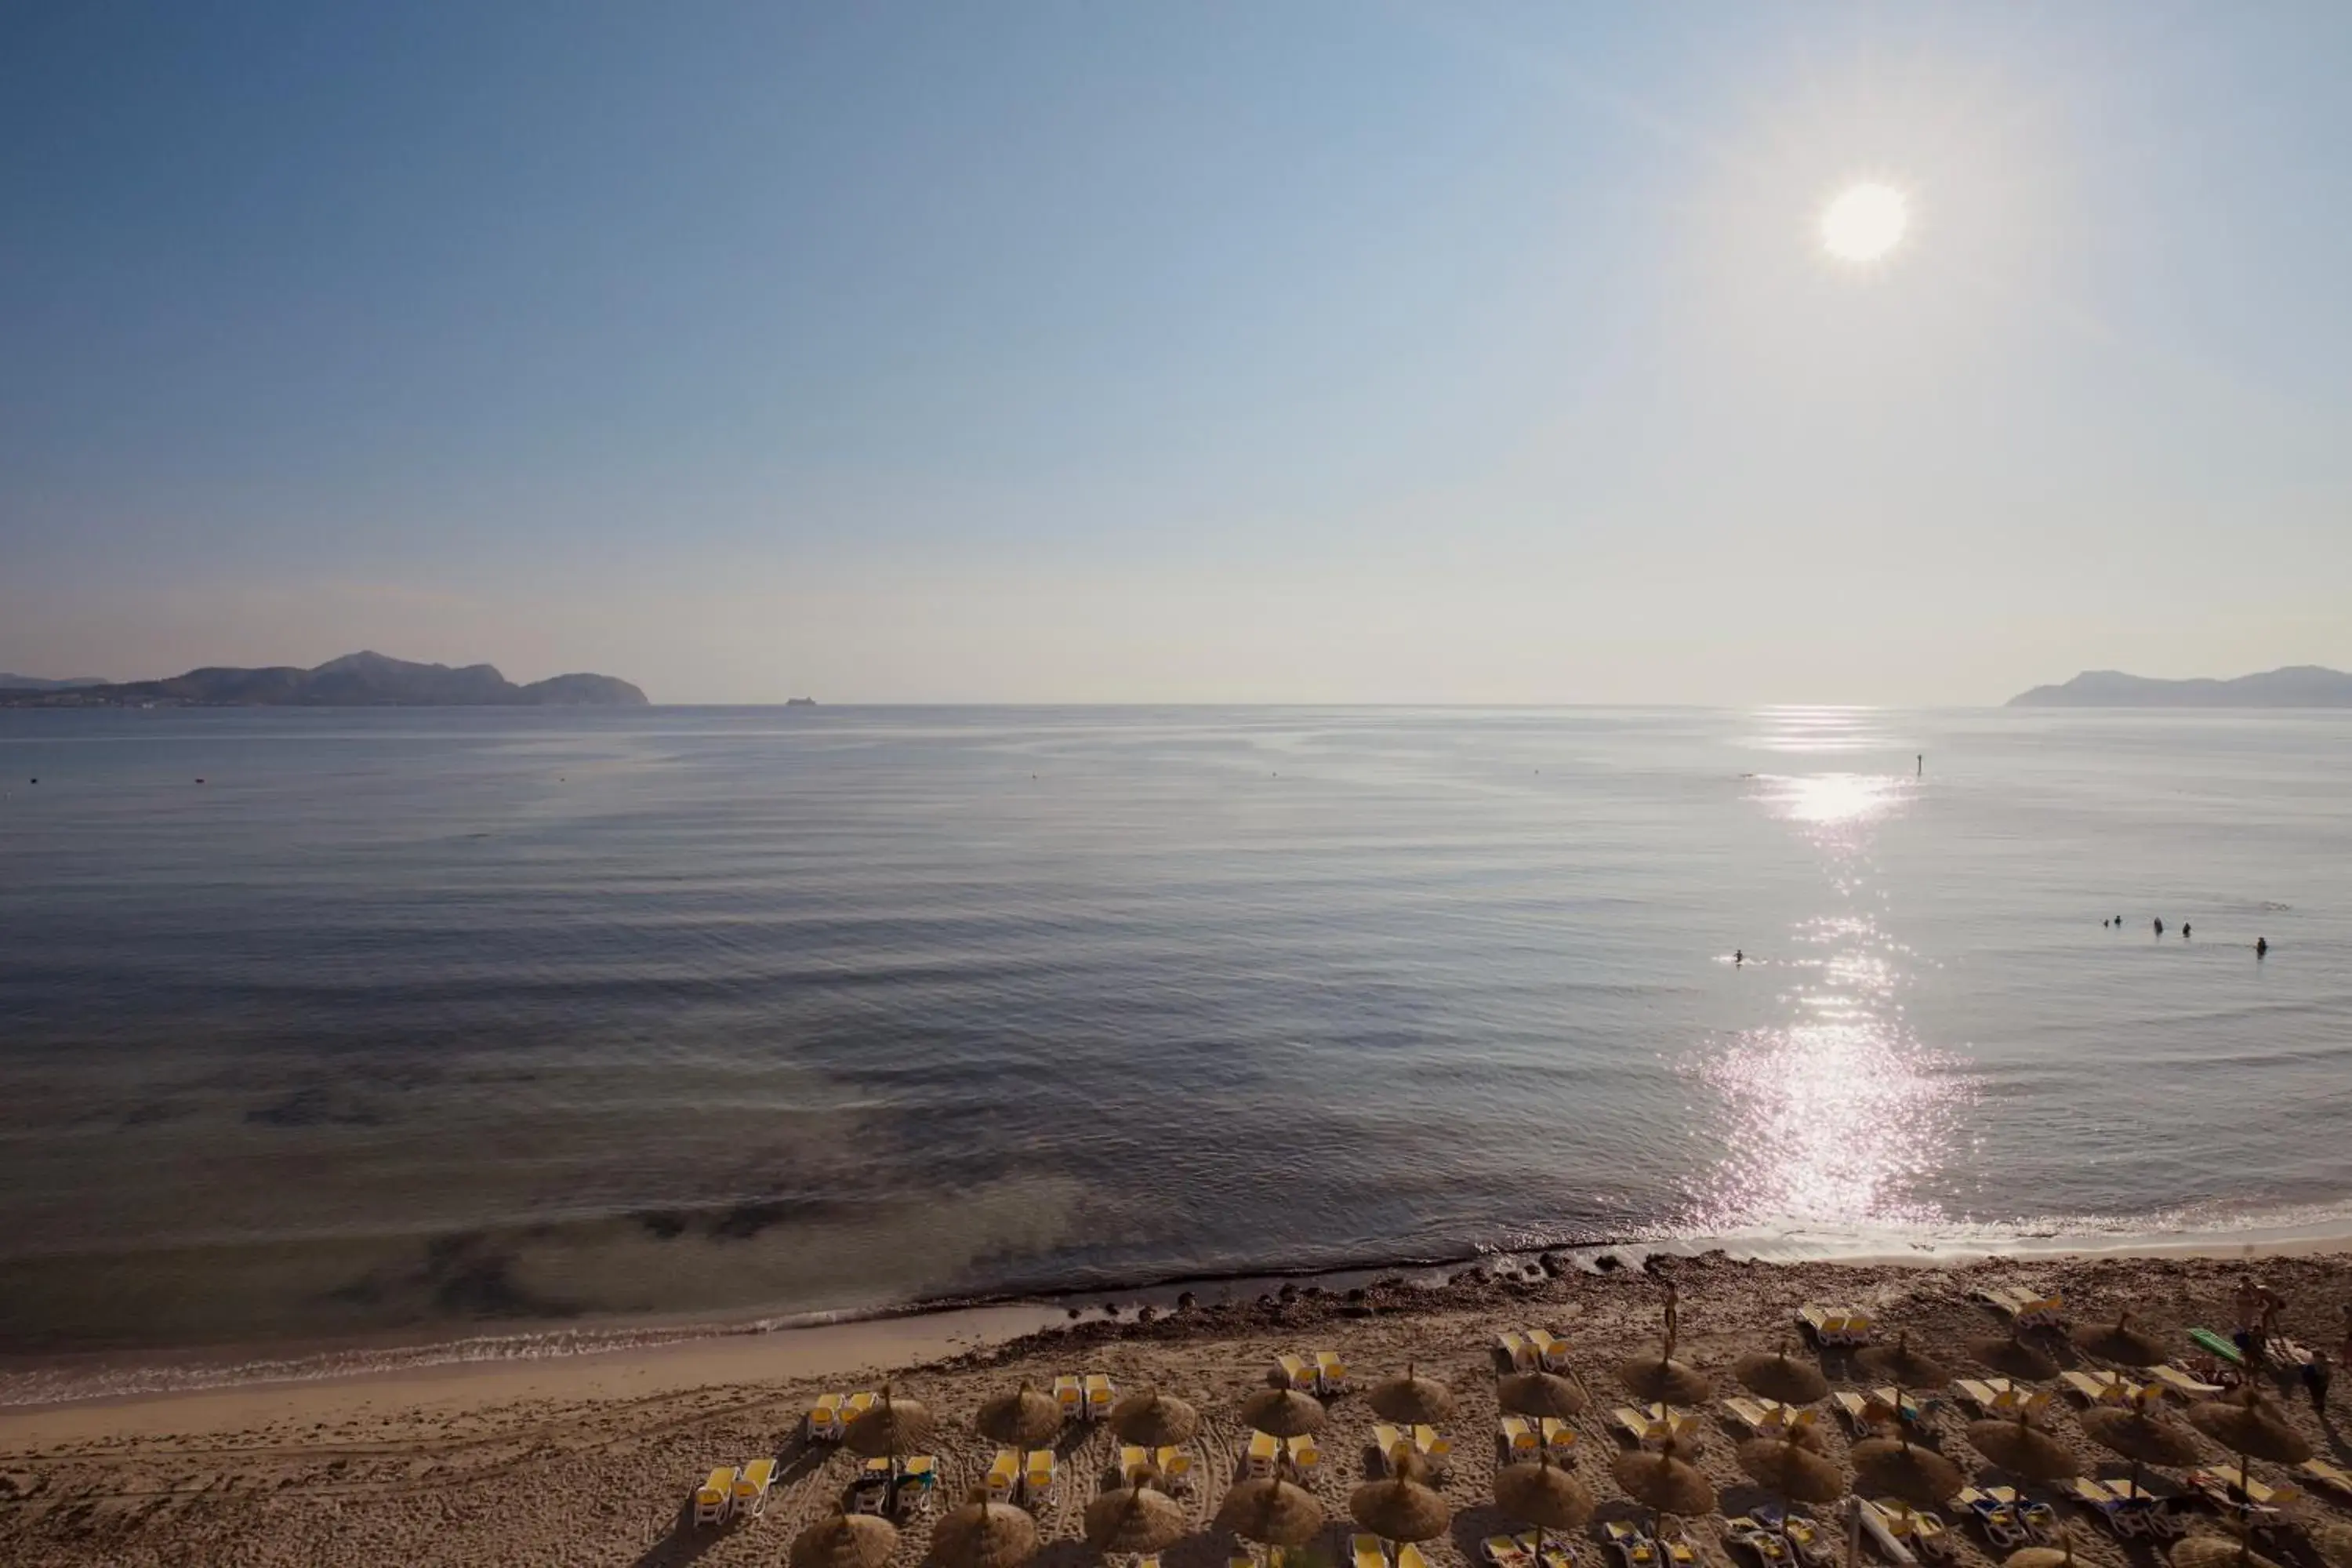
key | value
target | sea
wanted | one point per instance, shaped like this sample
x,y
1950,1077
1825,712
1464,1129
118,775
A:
x,y
376,1027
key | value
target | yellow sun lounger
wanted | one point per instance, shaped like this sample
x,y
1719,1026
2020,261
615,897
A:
x,y
1134,1459
1175,1467
2000,1396
1558,1437
1520,1439
1516,1349
1633,1548
752,1484
824,1421
1430,1443
1100,1396
1264,1449
2180,1382
2335,1477
1391,1442
1303,1454
1830,1325
1004,1475
2102,1387
1038,1473
715,1496
857,1405
1071,1395
1865,1415
1296,1371
1366,1552
1330,1371
1551,1350
1409,1556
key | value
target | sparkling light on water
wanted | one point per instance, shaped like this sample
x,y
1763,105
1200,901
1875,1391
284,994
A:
x,y
1836,1114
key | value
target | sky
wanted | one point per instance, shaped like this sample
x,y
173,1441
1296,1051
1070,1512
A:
x,y
1347,351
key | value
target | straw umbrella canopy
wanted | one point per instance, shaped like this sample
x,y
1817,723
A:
x,y
892,1427
2250,1428
1781,1376
2248,1424
1272,1511
1023,1418
1540,1493
2140,1437
2012,1357
1400,1509
1663,1482
1540,1393
1134,1521
2059,1556
2022,1450
1665,1380
2120,1343
1905,1367
2213,1552
1899,1467
1791,1470
846,1540
983,1534
1154,1420
2334,1542
1413,1399
1282,1413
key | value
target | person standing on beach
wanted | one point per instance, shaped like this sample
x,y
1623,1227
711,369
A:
x,y
1674,1317
2317,1376
2250,1316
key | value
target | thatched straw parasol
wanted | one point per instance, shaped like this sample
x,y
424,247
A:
x,y
1282,1413
1663,1482
846,1540
1540,1393
1900,1468
2141,1438
1413,1399
1154,1420
2012,1357
2059,1556
2120,1343
892,1427
1400,1509
2213,1552
1664,1381
1901,1366
984,1534
2334,1543
2022,1450
1792,1471
1540,1493
1781,1376
2252,1427
1133,1520
1271,1512
1023,1418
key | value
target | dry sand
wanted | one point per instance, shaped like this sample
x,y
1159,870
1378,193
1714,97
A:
x,y
589,1460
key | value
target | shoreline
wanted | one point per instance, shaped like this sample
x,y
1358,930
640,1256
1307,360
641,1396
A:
x,y
530,1354
588,1458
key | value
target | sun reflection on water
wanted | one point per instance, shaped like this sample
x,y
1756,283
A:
x,y
1836,1113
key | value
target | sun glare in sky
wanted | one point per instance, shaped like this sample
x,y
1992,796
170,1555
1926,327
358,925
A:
x,y
1864,222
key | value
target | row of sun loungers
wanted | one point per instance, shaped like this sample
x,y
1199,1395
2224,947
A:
x,y
1769,1417
1372,1551
1875,1412
1835,1325
1655,1426
2026,1309
732,1492
1520,1551
2126,1512
1395,1442
1993,1396
1265,1453
1325,1374
2007,1520
1533,1350
1523,1437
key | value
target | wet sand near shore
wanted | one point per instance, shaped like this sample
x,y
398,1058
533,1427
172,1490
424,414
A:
x,y
590,1460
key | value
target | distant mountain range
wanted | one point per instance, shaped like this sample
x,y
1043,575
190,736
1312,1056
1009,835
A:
x,y
354,680
34,683
2297,686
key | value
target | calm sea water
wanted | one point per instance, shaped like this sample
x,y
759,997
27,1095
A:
x,y
405,1023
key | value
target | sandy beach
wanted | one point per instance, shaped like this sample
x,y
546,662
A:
x,y
591,1458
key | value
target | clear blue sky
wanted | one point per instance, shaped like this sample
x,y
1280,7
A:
x,y
1344,351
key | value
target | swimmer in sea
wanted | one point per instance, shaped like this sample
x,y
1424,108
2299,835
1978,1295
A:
x,y
2261,945
2160,926
1739,955
2185,928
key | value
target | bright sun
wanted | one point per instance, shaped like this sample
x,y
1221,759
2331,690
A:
x,y
1864,222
